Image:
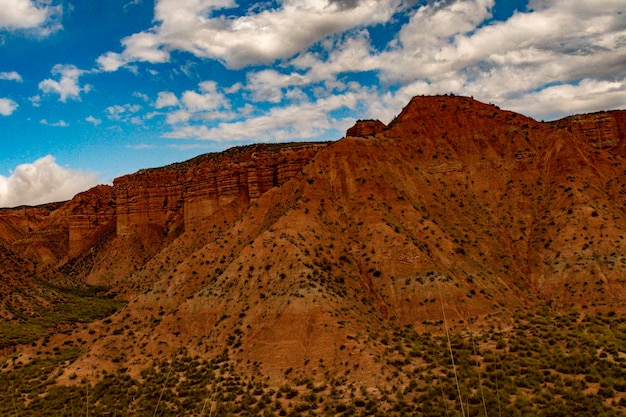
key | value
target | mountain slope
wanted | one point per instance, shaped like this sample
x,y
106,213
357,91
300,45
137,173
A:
x,y
291,259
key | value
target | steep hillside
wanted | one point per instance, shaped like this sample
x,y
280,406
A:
x,y
293,260
29,237
23,294
104,235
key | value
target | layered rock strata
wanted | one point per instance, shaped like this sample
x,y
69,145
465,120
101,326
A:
x,y
88,213
188,192
600,130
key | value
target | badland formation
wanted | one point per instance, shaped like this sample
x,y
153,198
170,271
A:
x,y
291,262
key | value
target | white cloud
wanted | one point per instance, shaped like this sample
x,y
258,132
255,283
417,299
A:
x,y
562,40
41,182
20,14
7,106
11,76
302,121
122,112
60,123
166,99
208,99
68,85
110,61
446,47
94,121
267,85
141,96
562,100
146,47
261,36
207,103
140,146
353,53
39,16
140,47
35,100
178,116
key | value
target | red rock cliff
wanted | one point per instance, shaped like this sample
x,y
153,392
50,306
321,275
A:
x,y
88,212
183,194
600,130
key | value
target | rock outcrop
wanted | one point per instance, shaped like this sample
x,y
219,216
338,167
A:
x,y
180,196
88,213
365,128
600,130
39,233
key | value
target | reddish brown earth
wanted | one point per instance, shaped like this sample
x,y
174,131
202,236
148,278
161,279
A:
x,y
292,256
365,128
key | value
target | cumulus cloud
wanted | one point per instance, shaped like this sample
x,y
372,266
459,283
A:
x,y
35,100
41,182
452,46
166,99
261,36
208,99
140,47
562,100
39,16
302,121
67,86
208,102
267,85
351,53
7,106
111,61
559,41
93,120
11,76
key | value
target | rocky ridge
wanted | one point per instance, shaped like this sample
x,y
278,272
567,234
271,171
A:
x,y
289,256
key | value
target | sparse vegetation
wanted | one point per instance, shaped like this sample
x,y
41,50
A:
x,y
546,364
79,306
333,254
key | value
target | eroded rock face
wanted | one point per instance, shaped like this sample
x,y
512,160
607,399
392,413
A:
x,y
184,194
149,197
246,176
457,204
39,233
89,212
365,128
170,198
600,130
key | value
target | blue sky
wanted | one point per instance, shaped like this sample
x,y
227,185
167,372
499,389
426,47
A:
x,y
91,90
